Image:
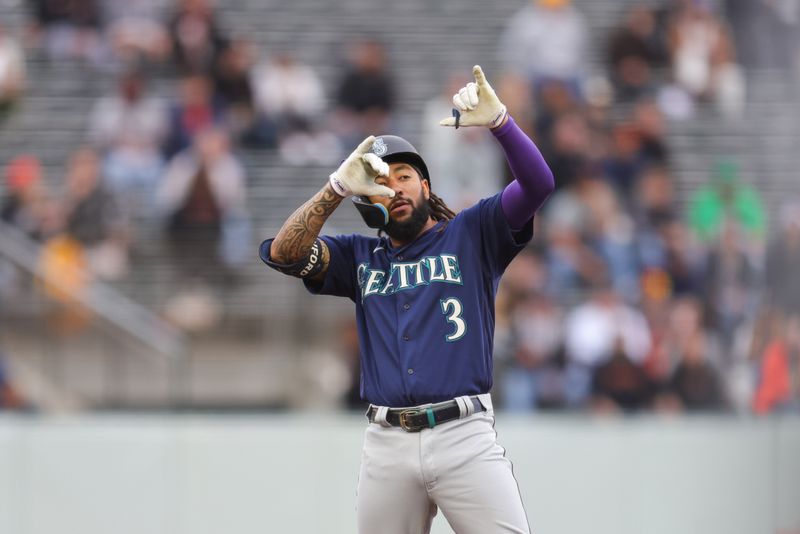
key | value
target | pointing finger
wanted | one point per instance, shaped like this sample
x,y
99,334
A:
x,y
449,121
365,145
480,78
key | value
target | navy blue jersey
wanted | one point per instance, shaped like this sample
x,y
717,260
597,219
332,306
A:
x,y
425,311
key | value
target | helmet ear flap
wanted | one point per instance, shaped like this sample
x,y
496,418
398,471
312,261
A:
x,y
374,214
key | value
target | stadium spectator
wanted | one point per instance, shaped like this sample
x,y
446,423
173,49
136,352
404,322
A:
x,y
594,331
625,161
196,36
634,51
365,97
783,258
652,129
654,201
547,40
597,111
661,241
12,71
611,233
526,275
731,283
656,305
26,205
94,217
684,260
467,166
291,98
234,87
685,359
195,110
571,264
231,76
289,92
685,325
774,388
635,145
128,128
567,148
703,59
65,279
695,381
534,378
621,384
201,199
135,31
71,30
553,100
725,197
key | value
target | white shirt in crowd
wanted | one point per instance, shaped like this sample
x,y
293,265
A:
x,y
593,328
546,42
293,89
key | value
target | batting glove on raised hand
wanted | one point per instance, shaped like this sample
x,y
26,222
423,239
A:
x,y
476,104
356,175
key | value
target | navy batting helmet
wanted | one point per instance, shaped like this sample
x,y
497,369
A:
x,y
391,149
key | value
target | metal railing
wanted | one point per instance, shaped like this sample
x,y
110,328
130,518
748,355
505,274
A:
x,y
119,318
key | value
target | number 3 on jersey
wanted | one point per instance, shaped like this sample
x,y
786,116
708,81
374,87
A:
x,y
452,308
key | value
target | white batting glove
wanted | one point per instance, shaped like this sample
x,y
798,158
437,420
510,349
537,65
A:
x,y
476,104
356,175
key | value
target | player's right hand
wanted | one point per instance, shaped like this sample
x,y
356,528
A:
x,y
356,175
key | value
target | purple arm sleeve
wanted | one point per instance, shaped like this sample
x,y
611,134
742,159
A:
x,y
533,179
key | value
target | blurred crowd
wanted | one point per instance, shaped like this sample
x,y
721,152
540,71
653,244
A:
x,y
629,301
625,301
173,155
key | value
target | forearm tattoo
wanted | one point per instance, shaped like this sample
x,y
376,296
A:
x,y
297,235
310,266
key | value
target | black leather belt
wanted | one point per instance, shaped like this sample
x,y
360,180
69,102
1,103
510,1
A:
x,y
416,419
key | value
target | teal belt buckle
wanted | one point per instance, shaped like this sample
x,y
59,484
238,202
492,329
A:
x,y
431,420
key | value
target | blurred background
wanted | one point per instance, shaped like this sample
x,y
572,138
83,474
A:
x,y
647,346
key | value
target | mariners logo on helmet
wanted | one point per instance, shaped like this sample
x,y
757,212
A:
x,y
379,147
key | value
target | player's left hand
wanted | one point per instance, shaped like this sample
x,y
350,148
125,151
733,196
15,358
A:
x,y
476,104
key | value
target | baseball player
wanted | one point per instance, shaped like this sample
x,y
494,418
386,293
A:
x,y
424,293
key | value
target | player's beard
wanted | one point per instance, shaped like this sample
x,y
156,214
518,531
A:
x,y
407,230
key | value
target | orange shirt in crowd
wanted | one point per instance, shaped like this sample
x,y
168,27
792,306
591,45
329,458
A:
x,y
774,386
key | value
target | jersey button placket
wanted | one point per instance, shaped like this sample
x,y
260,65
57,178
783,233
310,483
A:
x,y
404,339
